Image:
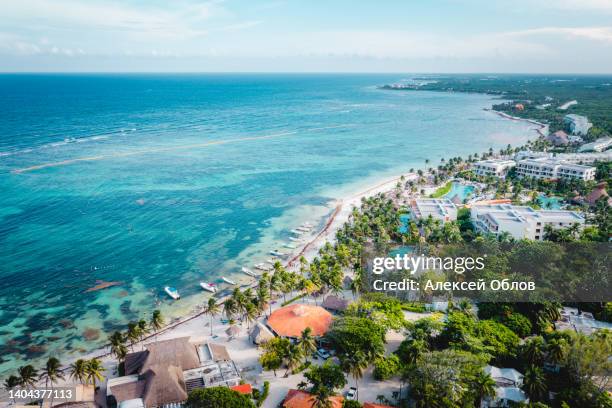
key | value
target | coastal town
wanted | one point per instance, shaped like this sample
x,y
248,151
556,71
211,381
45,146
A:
x,y
309,331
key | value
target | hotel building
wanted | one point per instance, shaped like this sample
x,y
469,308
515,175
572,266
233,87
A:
x,y
492,167
546,168
441,209
521,222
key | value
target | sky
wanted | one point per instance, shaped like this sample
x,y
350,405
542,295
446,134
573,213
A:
x,y
519,36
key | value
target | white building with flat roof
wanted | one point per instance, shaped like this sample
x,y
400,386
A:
x,y
599,145
577,124
493,167
441,209
549,168
521,222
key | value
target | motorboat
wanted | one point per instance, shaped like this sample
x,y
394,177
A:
x,y
247,271
211,287
228,280
172,292
276,252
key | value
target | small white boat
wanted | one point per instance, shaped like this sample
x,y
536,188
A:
x,y
303,229
294,239
276,252
248,271
211,287
289,245
227,280
263,267
172,292
297,232
307,225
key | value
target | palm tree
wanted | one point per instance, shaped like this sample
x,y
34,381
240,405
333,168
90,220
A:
x,y
556,350
534,383
27,376
263,297
229,308
484,386
415,349
94,370
78,370
10,383
133,333
52,371
355,365
143,328
307,342
250,314
212,309
321,399
240,302
533,350
118,347
157,321
293,358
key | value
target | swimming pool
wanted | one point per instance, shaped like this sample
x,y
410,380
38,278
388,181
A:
x,y
404,223
461,190
549,203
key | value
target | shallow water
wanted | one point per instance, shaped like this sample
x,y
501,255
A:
x,y
154,180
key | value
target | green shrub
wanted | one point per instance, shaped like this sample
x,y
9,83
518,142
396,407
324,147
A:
x,y
262,397
386,367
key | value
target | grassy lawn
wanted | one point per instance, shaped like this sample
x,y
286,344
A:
x,y
441,191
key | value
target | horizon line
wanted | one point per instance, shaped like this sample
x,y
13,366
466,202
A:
x,y
309,72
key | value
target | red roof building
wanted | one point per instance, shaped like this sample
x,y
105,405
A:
x,y
303,399
290,321
245,389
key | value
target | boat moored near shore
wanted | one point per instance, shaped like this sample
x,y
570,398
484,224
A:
x,y
172,292
211,287
228,280
249,272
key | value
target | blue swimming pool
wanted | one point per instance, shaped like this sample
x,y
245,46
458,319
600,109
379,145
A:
x,y
461,190
404,223
549,203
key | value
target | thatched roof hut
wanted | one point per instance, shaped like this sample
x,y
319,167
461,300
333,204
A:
x,y
335,303
260,334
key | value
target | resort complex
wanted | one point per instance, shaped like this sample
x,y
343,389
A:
x,y
521,222
545,168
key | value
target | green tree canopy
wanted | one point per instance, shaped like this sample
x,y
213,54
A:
x,y
218,397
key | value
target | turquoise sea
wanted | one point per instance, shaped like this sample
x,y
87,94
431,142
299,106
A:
x,y
154,180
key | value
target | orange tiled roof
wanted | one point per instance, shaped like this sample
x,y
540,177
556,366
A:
x,y
303,399
243,388
290,321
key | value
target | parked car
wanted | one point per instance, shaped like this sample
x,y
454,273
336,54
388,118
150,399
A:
x,y
323,354
351,394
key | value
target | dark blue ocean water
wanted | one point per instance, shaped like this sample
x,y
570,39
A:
x,y
152,180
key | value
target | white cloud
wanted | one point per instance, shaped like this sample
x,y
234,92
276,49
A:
x,y
591,33
91,16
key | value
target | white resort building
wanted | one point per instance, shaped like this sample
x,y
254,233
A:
x,y
577,124
599,145
508,383
521,222
441,209
548,168
493,167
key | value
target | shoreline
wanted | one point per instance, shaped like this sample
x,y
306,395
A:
x,y
342,208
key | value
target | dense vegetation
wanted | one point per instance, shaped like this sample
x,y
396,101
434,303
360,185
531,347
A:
x,y
593,93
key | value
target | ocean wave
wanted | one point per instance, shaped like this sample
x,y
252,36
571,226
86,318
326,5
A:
x,y
65,142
